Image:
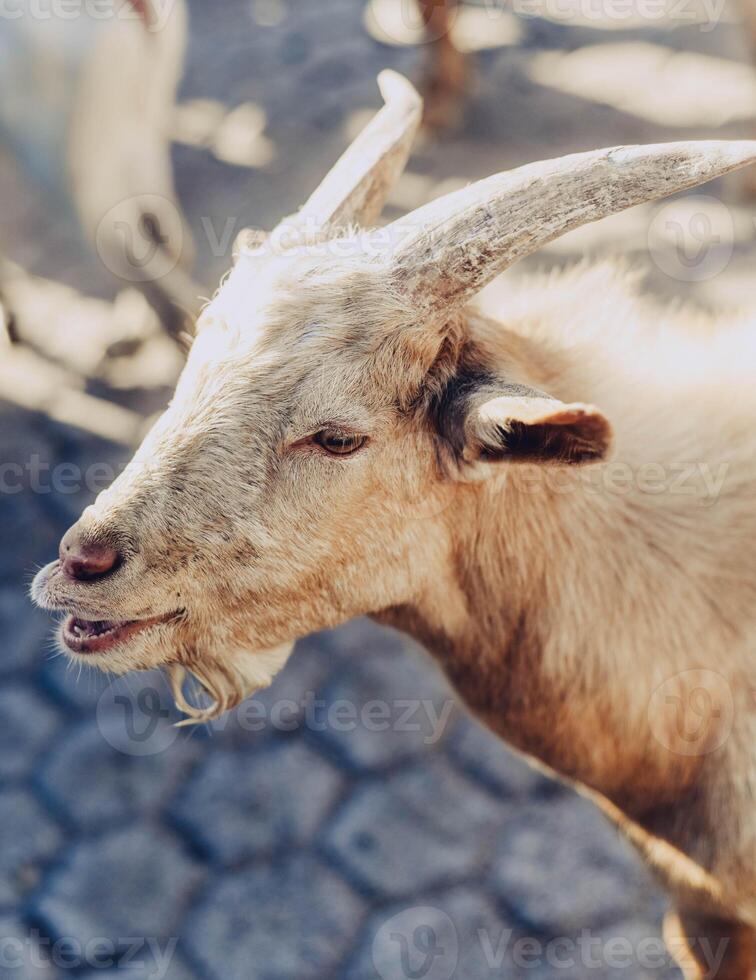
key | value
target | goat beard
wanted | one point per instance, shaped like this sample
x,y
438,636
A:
x,y
225,684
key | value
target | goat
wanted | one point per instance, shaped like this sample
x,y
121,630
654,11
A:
x,y
341,375
97,139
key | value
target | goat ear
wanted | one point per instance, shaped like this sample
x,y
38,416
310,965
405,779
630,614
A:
x,y
527,426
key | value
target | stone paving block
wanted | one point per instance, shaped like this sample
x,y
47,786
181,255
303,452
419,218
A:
x,y
632,949
480,752
387,704
28,838
30,722
148,963
239,804
293,919
21,955
562,865
124,884
27,631
361,637
434,791
422,827
457,934
95,784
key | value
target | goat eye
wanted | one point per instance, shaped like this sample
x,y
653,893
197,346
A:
x,y
338,443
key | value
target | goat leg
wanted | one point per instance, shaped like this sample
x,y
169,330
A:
x,y
447,71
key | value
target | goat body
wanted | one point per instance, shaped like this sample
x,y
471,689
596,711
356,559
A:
x,y
603,620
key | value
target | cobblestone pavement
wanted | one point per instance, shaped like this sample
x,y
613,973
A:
x,y
351,822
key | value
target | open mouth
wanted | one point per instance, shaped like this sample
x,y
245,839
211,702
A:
x,y
96,636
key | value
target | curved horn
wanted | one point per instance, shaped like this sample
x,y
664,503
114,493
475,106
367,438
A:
x,y
451,248
356,189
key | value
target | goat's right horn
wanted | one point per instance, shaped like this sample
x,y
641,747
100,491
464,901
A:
x,y
356,189
451,248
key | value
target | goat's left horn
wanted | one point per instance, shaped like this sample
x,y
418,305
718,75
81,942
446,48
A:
x,y
356,189
451,248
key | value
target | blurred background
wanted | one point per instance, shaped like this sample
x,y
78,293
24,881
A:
x,y
351,822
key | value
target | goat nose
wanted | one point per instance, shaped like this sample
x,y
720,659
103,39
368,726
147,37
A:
x,y
87,560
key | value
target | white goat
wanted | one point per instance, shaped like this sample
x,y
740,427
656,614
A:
x,y
87,106
349,436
